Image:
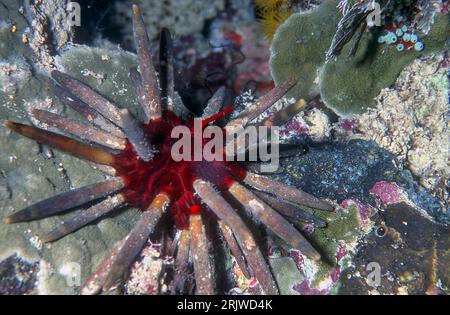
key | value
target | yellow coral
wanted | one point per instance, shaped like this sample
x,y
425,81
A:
x,y
273,13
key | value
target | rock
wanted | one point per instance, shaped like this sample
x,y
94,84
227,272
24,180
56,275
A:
x,y
411,255
18,276
356,174
287,274
408,122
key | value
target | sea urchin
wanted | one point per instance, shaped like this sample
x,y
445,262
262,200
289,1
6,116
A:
x,y
145,175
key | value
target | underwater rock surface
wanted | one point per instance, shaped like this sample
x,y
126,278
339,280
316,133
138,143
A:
x,y
17,276
412,255
408,121
364,180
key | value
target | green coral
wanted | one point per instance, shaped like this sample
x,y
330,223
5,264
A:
x,y
347,85
299,46
286,274
342,226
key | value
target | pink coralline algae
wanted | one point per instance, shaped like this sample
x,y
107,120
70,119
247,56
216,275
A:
x,y
387,193
294,126
365,211
305,287
299,260
335,273
350,125
444,7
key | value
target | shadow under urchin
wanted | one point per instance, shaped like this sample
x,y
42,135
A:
x,y
137,155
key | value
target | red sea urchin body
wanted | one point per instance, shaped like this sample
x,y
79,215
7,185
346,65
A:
x,y
144,180
149,176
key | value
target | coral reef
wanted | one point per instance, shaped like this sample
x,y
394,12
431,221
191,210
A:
x,y
48,30
384,215
409,120
348,86
148,175
28,52
30,172
411,252
368,186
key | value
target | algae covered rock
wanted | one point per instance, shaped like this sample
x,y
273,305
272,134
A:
x,y
350,174
106,71
410,251
31,172
408,122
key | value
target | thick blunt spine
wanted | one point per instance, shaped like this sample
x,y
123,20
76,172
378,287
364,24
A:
x,y
84,218
181,276
136,135
88,96
203,267
166,64
79,130
286,192
234,248
244,237
136,239
62,143
261,105
66,201
86,111
293,213
150,89
273,220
